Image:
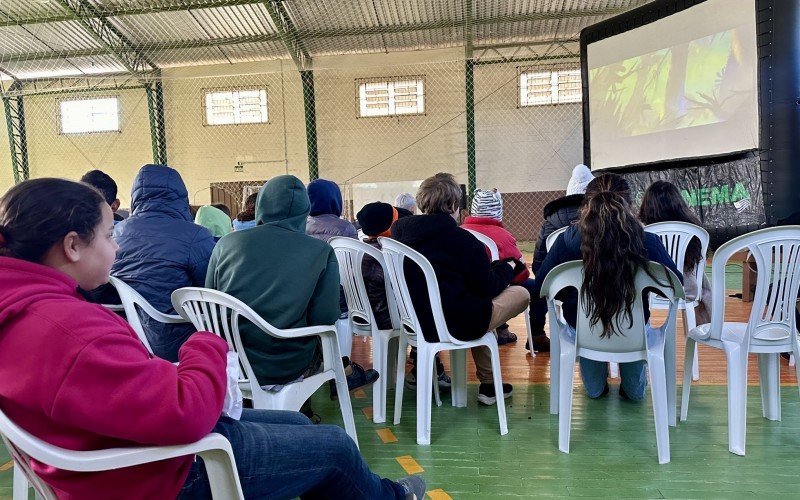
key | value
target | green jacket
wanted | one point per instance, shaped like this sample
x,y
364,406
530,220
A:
x,y
213,219
287,277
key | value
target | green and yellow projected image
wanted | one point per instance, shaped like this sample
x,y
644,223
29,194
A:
x,y
701,82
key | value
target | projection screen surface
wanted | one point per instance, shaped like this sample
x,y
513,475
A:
x,y
684,86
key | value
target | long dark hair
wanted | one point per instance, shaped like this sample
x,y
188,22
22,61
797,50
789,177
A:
x,y
249,212
612,246
663,202
37,214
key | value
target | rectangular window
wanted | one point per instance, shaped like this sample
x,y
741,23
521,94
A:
x,y
236,107
82,116
393,97
537,88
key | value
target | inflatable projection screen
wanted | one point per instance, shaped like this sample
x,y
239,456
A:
x,y
704,94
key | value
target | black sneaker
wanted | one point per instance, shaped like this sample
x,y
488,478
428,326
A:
x,y
486,394
541,343
414,486
357,379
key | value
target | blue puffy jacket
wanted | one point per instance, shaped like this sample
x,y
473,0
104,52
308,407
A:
x,y
161,249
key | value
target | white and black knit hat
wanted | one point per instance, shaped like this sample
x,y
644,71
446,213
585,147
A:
x,y
487,204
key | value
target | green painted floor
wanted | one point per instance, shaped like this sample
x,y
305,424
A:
x,y
613,448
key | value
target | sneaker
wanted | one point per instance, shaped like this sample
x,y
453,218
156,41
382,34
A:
x,y
411,381
444,381
541,343
414,486
504,336
486,394
358,379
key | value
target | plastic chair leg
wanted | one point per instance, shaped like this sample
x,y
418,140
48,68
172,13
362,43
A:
x,y
690,322
380,361
737,398
498,388
555,363
20,488
344,401
688,361
425,360
613,369
658,389
222,474
344,336
458,375
566,377
400,378
527,314
769,378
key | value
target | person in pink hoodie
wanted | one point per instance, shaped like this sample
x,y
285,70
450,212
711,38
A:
x,y
75,375
487,219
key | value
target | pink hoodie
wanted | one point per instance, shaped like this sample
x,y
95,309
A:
x,y
505,241
75,374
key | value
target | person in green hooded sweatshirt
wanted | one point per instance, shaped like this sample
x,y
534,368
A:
x,y
289,278
215,220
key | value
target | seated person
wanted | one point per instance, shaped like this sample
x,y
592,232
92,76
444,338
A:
x,y
376,220
613,245
662,202
406,201
161,249
289,278
215,220
107,187
247,217
487,219
101,388
475,294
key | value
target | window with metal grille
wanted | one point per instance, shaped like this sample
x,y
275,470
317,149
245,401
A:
x,y
83,116
236,107
391,97
537,88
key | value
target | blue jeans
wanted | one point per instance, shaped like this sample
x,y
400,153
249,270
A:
x,y
280,454
595,374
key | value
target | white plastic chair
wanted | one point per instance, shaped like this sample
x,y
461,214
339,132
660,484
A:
x,y
551,240
350,255
217,312
396,254
495,255
214,449
676,237
770,330
132,301
633,343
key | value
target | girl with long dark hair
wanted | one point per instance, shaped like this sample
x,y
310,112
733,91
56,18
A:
x,y
613,246
662,202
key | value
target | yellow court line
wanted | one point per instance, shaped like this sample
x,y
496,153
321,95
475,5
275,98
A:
x,y
360,394
439,494
367,411
6,466
386,435
410,465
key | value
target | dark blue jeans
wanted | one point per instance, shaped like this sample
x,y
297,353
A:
x,y
280,454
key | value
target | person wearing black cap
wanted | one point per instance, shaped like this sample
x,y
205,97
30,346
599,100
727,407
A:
x,y
376,220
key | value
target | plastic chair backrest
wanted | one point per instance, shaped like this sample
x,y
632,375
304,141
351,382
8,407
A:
x,y
350,254
629,335
776,252
550,241
396,254
23,446
676,237
132,302
494,253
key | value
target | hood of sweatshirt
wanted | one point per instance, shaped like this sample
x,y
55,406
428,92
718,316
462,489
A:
x,y
326,198
160,189
214,220
283,202
23,283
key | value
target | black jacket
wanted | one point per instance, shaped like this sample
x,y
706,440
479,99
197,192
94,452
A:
x,y
467,280
376,288
557,214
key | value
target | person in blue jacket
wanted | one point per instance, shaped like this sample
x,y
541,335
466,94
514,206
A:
x,y
613,245
161,249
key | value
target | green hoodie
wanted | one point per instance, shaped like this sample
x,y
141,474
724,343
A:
x,y
213,219
287,277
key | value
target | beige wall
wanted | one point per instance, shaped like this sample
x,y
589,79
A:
x,y
531,149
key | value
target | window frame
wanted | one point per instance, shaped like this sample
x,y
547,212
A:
x,y
555,98
214,90
392,80
61,100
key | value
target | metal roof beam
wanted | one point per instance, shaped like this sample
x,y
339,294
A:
x,y
288,33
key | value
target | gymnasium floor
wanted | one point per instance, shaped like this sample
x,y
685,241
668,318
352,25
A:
x,y
613,450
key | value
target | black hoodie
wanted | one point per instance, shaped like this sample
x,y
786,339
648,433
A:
x,y
467,280
557,214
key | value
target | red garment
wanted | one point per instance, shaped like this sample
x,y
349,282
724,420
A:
x,y
75,375
505,241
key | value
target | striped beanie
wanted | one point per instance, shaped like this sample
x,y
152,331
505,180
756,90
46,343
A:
x,y
487,204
